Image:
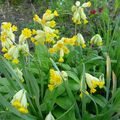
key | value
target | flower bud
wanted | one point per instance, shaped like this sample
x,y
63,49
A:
x,y
64,75
49,117
77,3
96,39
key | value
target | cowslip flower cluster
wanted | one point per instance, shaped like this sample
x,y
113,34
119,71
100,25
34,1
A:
x,y
19,101
94,82
10,48
61,46
56,78
48,34
96,40
78,12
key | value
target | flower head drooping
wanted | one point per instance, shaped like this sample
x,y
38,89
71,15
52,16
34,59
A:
x,y
12,54
96,40
7,36
19,101
80,40
93,82
55,79
78,12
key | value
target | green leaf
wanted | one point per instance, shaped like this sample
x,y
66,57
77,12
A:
x,y
64,102
73,76
74,85
65,66
100,100
61,114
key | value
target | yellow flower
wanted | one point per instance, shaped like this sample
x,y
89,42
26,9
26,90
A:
x,y
60,44
48,11
55,79
52,23
15,61
43,21
19,101
61,59
7,56
73,40
48,15
66,40
76,18
4,49
66,50
33,39
101,84
92,90
87,4
14,28
56,31
85,21
3,36
80,40
34,31
56,13
26,32
83,45
52,50
51,87
23,110
6,25
36,43
36,18
93,82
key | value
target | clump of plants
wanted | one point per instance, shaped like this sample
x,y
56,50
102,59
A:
x,y
62,78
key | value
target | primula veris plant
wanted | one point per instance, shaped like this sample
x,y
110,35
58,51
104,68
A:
x,y
62,78
78,12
